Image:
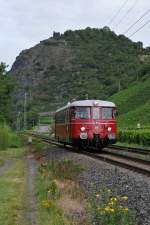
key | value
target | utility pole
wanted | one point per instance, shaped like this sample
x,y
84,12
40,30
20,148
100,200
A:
x,y
87,96
18,122
119,85
137,75
39,124
25,111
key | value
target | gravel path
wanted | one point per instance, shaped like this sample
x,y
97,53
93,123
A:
x,y
31,214
5,167
102,174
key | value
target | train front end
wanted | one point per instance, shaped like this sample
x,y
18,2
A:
x,y
94,123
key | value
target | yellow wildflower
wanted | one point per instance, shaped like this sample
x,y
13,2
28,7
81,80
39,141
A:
x,y
109,191
125,198
111,203
107,209
47,204
125,209
113,199
97,195
112,210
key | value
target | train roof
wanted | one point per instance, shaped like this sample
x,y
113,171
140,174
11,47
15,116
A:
x,y
88,103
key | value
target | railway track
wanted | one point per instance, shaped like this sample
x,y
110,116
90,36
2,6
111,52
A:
x,y
133,163
130,149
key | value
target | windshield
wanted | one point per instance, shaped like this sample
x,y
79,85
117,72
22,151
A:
x,y
107,113
82,113
96,113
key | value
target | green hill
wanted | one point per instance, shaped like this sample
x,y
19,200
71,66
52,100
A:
x,y
134,105
91,62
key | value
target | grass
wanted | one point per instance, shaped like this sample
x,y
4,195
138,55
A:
x,y
133,105
12,191
46,120
12,153
65,169
132,145
36,144
138,115
12,187
49,212
59,196
1,162
8,138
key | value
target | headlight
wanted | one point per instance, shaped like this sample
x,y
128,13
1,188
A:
x,y
82,129
109,129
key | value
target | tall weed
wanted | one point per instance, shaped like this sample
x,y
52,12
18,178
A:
x,y
8,138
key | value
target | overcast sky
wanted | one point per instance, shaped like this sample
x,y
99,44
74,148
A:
x,y
24,23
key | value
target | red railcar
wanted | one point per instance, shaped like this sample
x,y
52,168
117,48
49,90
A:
x,y
86,123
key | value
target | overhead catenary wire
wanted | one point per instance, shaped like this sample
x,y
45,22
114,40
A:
x,y
118,12
139,28
127,13
132,25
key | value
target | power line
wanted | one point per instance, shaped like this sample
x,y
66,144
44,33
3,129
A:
x,y
117,13
127,13
132,25
139,28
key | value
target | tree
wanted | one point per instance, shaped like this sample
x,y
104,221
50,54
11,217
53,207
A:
x,y
6,87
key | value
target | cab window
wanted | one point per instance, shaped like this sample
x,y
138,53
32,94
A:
x,y
107,113
96,113
82,113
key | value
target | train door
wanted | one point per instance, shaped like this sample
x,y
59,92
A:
x,y
67,125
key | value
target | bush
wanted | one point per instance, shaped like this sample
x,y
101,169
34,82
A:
x,y
141,136
4,138
8,138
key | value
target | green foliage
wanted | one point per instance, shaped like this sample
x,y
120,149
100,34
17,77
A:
x,y
13,194
133,105
132,97
107,209
39,146
46,120
139,115
4,138
48,193
139,136
8,138
6,87
65,169
1,162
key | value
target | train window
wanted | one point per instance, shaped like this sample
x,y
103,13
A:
x,y
96,113
72,112
107,113
82,112
115,113
61,117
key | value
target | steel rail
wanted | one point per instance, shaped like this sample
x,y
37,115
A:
x,y
135,159
137,165
119,161
130,149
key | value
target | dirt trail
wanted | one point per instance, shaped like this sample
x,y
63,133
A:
x,y
5,167
32,210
